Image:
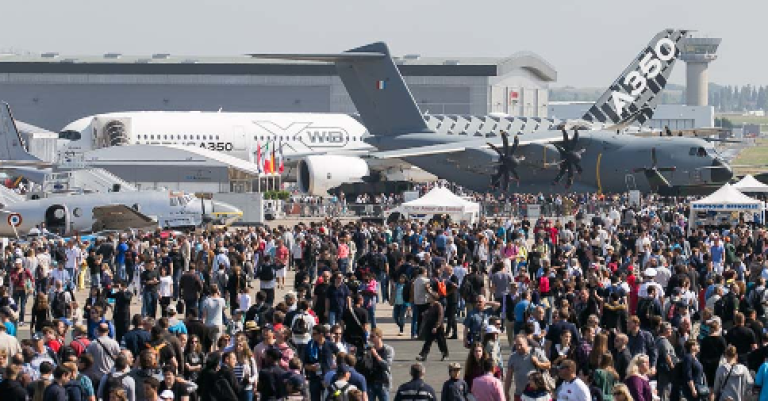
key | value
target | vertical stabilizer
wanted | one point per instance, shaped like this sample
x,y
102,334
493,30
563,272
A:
x,y
637,91
12,147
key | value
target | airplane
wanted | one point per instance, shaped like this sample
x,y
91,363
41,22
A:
x,y
601,160
301,137
82,213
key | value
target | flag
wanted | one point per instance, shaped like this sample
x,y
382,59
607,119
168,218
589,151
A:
x,y
266,160
272,161
282,165
381,85
258,158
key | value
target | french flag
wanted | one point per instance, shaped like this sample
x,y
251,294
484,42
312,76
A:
x,y
381,85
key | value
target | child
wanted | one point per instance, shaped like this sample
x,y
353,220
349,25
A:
x,y
244,300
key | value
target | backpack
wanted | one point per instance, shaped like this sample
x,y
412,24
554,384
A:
x,y
337,394
467,291
671,312
59,306
299,326
442,291
267,273
75,391
223,391
112,382
757,302
65,352
644,309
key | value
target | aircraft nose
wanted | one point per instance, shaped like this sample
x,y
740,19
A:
x,y
721,172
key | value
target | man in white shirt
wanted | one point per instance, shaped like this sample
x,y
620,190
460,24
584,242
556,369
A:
x,y
74,256
572,388
60,275
212,310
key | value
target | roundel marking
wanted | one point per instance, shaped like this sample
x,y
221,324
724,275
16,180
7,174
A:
x,y
14,219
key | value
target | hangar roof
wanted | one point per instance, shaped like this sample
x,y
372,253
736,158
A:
x,y
114,63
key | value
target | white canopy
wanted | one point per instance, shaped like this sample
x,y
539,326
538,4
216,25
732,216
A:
x,y
727,198
442,201
750,184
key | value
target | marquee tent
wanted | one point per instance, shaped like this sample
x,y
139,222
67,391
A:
x,y
750,184
441,201
727,199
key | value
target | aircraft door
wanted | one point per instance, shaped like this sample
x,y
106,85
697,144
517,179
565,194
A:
x,y
57,219
629,179
239,138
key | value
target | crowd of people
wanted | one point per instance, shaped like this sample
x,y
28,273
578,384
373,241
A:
x,y
628,305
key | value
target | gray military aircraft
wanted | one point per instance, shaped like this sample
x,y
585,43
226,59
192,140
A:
x,y
596,157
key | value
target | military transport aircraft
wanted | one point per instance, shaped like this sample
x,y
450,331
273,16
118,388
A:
x,y
595,157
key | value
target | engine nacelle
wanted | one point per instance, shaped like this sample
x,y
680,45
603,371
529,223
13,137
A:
x,y
318,174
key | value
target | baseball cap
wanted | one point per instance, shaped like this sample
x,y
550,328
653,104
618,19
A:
x,y
454,366
290,294
492,330
18,261
37,336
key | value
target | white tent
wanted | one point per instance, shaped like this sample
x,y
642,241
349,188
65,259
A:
x,y
750,184
441,201
727,199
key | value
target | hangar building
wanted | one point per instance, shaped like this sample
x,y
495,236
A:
x,y
52,90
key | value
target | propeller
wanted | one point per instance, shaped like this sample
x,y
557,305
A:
x,y
507,162
653,173
570,157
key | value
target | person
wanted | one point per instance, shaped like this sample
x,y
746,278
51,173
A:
x,y
693,383
213,311
379,376
11,387
621,393
487,387
340,387
121,312
270,376
666,362
317,360
104,350
121,374
433,329
537,388
605,376
477,320
712,349
522,363
637,379
572,387
151,386
732,379
150,280
55,391
22,284
454,389
337,299
416,389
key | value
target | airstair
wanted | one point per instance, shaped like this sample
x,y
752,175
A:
x,y
9,196
86,180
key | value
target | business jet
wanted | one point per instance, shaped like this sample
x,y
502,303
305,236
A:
x,y
82,213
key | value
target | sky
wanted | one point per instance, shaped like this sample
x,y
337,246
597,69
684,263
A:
x,y
588,41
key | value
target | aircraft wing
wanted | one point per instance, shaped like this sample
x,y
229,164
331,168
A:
x,y
119,217
460,146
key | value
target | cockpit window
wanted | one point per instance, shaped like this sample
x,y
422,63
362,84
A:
x,y
70,135
698,152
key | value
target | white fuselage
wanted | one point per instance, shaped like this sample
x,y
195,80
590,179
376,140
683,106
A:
x,y
70,214
241,135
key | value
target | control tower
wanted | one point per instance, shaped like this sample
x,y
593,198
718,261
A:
x,y
697,54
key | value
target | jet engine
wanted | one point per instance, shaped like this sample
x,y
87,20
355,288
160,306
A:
x,y
318,174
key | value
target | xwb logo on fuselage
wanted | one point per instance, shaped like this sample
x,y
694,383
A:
x,y
648,68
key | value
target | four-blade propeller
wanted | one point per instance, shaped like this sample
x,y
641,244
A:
x,y
653,173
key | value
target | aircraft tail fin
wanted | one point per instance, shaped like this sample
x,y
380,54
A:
x,y
376,87
634,95
12,146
